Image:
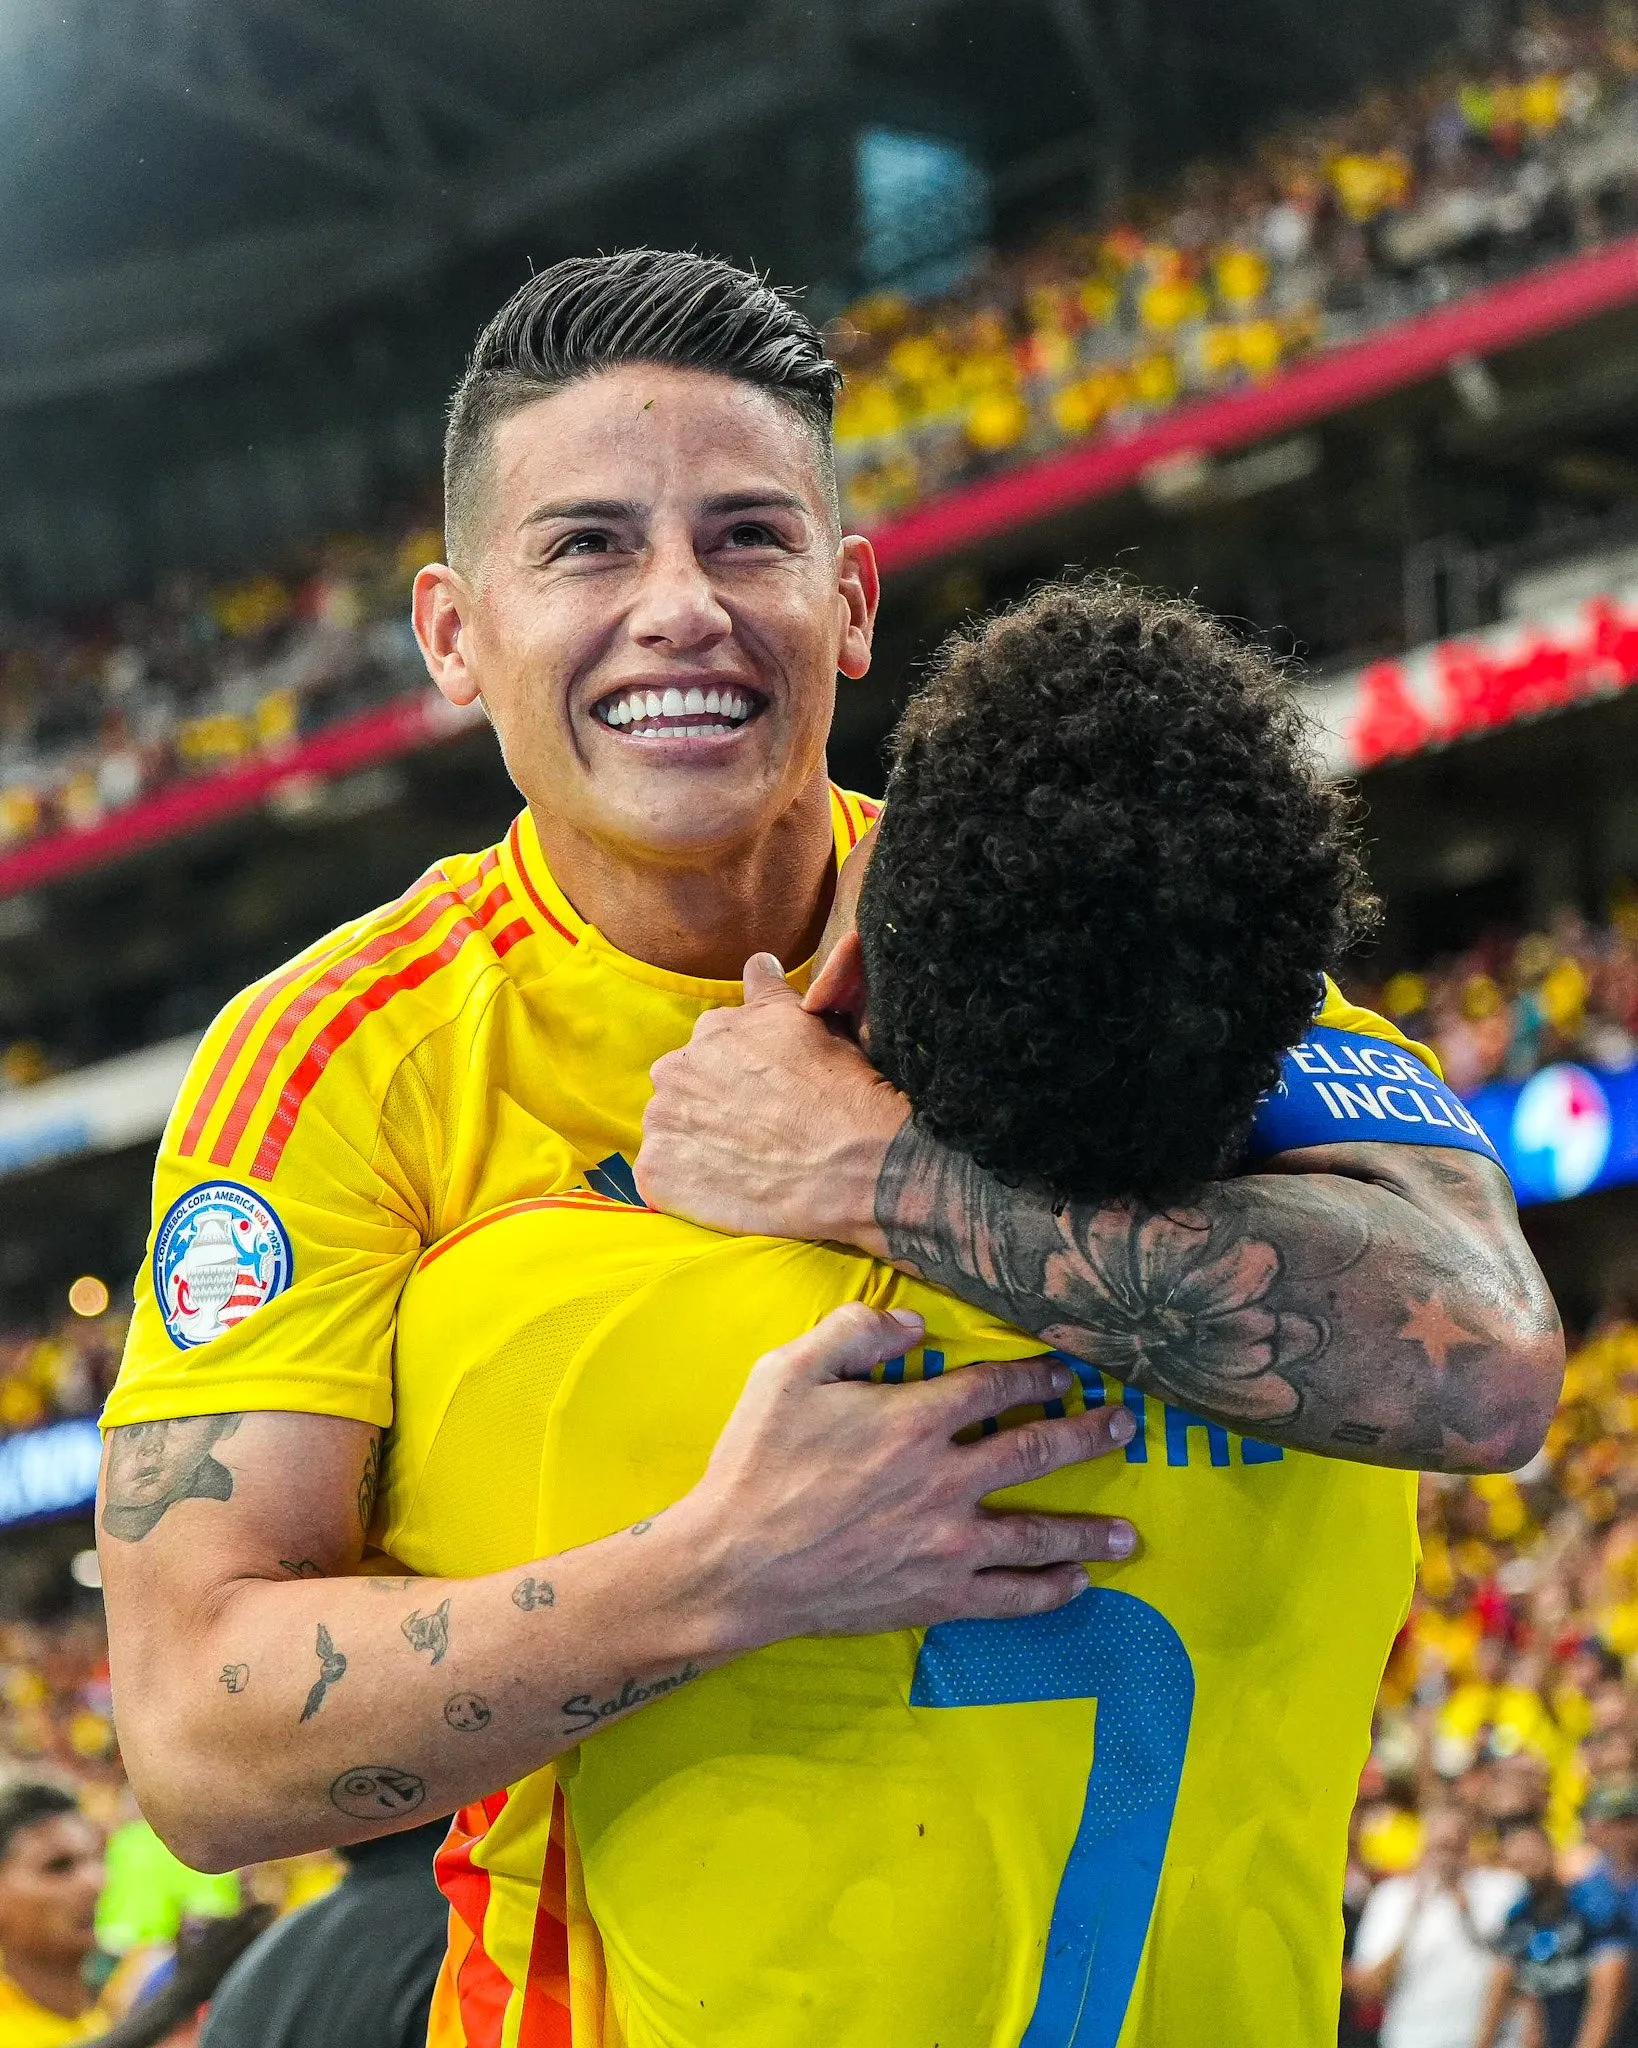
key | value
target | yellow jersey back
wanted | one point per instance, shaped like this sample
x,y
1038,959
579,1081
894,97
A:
x,y
1123,1823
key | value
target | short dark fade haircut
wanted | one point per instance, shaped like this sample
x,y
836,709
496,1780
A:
x,y
1108,880
591,313
25,1803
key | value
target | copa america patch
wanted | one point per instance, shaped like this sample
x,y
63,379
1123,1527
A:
x,y
220,1254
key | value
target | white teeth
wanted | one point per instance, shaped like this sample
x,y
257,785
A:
x,y
644,708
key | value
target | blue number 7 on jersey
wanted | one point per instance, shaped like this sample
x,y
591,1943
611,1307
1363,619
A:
x,y
1122,1652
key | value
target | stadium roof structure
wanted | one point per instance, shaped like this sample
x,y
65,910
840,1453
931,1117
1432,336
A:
x,y
187,173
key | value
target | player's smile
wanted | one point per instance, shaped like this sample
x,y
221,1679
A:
x,y
686,711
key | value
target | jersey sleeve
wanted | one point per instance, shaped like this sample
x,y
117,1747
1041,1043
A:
x,y
283,1225
1357,1079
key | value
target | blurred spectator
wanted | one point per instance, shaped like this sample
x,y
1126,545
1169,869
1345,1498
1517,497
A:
x,y
355,1970
50,1875
1563,1955
1510,1005
1423,1946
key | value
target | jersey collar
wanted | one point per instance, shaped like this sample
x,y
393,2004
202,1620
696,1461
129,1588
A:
x,y
555,917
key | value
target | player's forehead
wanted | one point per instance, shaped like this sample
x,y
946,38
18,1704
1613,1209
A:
x,y
649,435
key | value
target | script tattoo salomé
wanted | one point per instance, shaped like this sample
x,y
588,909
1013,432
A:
x,y
1317,1310
153,1465
585,1713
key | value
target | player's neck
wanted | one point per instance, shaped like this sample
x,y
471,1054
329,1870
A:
x,y
707,918
59,1987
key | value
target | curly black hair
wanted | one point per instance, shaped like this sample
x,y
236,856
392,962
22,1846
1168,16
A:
x,y
1108,881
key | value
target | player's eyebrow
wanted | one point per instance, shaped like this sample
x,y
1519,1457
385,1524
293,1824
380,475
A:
x,y
756,501
582,508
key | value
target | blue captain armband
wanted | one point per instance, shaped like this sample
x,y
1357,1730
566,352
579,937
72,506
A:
x,y
1349,1088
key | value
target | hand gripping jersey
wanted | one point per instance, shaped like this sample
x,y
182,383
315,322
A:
x,y
1121,1823
472,1043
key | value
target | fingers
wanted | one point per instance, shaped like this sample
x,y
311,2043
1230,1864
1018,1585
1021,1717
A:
x,y
1017,1455
1020,1542
846,1344
765,981
1007,1596
981,1391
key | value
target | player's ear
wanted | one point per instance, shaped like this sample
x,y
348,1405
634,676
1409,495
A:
x,y
838,989
439,599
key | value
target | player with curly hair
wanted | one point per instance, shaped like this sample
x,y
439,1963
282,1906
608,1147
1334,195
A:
x,y
1103,893
1091,949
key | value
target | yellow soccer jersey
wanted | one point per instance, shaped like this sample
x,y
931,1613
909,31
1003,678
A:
x,y
25,2023
1121,1823
475,1042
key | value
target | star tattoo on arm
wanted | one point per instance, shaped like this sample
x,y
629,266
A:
x,y
332,1670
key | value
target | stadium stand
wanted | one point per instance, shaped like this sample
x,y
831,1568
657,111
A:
x,y
159,716
1515,1002
1336,229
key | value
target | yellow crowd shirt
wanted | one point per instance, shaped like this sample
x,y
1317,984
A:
x,y
1124,1822
25,2023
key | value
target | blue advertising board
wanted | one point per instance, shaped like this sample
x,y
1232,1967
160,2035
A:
x,y
50,1471
1566,1131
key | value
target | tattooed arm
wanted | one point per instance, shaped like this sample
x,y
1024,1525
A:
x,y
271,1701
1371,1302
1374,1302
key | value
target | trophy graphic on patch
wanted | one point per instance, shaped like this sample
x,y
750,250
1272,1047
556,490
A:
x,y
208,1270
220,1254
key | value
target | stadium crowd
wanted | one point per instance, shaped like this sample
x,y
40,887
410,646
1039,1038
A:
x,y
1333,228
1511,1004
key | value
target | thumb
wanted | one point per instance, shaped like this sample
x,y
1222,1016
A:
x,y
765,981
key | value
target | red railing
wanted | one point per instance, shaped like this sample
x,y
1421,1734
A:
x,y
384,734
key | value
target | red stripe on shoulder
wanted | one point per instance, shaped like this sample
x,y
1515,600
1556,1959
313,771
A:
x,y
253,1014
305,1074
871,811
532,892
296,1012
336,976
